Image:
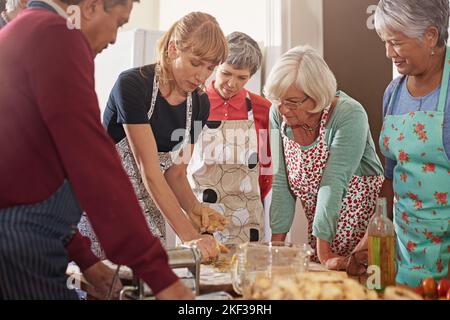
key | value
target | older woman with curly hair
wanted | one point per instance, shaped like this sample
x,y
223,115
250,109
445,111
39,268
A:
x,y
415,137
416,134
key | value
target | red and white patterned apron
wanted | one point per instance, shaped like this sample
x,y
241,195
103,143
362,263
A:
x,y
305,169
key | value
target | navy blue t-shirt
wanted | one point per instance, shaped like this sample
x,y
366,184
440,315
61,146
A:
x,y
129,103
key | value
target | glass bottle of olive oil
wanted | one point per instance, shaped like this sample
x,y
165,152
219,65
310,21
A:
x,y
382,246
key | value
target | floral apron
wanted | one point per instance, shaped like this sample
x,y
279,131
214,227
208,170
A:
x,y
224,173
305,169
421,185
155,219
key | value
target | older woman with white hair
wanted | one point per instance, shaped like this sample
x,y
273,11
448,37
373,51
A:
x,y
13,8
323,154
416,134
237,125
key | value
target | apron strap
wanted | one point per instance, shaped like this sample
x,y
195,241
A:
x,y
155,91
324,120
393,96
444,83
248,101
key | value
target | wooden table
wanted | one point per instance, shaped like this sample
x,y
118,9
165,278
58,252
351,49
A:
x,y
205,287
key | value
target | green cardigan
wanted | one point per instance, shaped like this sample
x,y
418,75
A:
x,y
352,152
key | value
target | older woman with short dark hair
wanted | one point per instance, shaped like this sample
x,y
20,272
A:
x,y
237,125
416,134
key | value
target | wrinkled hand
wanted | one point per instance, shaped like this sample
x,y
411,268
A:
x,y
337,263
207,219
224,249
359,258
208,246
325,253
100,277
357,263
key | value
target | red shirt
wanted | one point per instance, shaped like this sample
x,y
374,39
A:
x,y
236,109
50,130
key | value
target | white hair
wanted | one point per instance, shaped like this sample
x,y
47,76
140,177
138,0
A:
x,y
304,68
12,5
413,17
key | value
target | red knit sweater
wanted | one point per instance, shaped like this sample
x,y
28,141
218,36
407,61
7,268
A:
x,y
50,130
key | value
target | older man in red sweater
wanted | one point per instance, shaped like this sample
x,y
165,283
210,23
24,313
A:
x,y
57,161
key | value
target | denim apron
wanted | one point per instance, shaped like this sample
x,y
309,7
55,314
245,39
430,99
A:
x,y
33,258
421,185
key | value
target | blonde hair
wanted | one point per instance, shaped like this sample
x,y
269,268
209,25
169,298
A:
x,y
198,32
304,68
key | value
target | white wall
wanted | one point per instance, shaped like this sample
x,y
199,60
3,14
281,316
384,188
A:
x,y
145,15
247,16
250,18
305,23
290,23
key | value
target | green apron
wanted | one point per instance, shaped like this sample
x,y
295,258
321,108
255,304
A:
x,y
421,185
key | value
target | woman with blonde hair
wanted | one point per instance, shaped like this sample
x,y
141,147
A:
x,y
323,154
151,116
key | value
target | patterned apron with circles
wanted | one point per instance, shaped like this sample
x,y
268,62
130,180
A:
x,y
305,169
224,173
421,188
155,219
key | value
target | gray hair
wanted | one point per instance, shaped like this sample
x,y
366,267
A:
x,y
413,17
12,5
243,52
304,68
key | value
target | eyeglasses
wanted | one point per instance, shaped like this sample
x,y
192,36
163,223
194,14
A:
x,y
291,105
